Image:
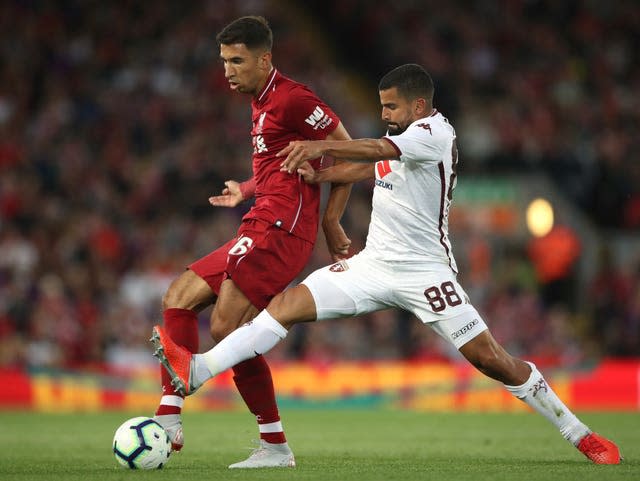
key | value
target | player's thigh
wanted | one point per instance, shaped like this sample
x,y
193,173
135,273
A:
x,y
439,301
188,291
231,310
261,260
265,260
347,288
211,268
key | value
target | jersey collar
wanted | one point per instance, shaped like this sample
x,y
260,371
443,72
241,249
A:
x,y
267,85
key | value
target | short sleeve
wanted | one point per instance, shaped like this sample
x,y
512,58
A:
x,y
310,116
421,142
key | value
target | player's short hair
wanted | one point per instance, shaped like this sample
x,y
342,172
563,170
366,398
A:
x,y
411,80
253,31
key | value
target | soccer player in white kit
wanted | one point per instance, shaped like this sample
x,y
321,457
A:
x,y
407,261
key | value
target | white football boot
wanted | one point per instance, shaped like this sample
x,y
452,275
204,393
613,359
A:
x,y
268,455
172,424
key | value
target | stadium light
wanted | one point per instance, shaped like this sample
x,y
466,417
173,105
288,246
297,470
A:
x,y
539,217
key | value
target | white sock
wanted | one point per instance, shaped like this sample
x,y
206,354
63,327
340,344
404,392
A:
x,y
275,427
172,400
537,393
249,340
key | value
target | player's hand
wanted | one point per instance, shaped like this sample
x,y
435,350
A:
x,y
231,195
337,241
308,173
297,153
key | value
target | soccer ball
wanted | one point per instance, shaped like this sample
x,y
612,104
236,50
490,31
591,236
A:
x,y
141,443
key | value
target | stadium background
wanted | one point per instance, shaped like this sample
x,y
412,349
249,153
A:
x,y
116,124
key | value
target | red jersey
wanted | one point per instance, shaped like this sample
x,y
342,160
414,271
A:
x,y
283,111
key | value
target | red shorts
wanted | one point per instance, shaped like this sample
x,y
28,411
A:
x,y
262,260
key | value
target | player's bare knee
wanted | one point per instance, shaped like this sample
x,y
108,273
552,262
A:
x,y
220,329
217,333
171,299
278,305
188,291
178,297
221,324
292,306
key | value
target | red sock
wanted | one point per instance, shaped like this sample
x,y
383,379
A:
x,y
182,326
253,380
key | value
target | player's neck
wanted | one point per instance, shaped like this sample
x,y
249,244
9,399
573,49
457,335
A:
x,y
427,112
261,85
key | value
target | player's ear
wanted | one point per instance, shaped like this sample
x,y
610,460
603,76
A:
x,y
420,107
264,61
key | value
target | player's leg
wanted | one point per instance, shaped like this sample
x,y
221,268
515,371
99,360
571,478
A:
x,y
186,296
332,292
243,349
524,381
252,377
191,292
252,339
263,262
341,290
439,301
344,289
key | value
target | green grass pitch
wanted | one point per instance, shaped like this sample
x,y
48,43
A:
x,y
329,445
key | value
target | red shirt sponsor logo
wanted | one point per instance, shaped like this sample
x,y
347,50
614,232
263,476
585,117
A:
x,y
383,167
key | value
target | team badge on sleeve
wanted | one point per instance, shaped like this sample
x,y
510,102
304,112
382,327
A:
x,y
339,266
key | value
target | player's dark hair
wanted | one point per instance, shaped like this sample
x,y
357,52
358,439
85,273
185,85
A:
x,y
411,80
253,31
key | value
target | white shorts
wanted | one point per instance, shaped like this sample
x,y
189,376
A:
x,y
361,284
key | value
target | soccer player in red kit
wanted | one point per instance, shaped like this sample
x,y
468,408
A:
x,y
272,244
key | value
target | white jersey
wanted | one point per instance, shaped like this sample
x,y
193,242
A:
x,y
407,262
412,195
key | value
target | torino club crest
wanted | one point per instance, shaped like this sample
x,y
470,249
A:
x,y
339,266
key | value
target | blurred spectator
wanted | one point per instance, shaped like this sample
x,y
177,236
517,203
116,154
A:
x,y
554,257
615,299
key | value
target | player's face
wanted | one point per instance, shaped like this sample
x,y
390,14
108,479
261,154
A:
x,y
397,111
245,69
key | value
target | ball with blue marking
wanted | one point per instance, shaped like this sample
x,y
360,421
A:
x,y
141,443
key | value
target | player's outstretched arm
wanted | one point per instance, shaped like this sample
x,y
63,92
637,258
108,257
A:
x,y
370,150
233,194
344,172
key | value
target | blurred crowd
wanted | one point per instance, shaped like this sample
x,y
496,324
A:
x,y
531,85
116,124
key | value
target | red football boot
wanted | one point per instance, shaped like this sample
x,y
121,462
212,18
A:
x,y
175,359
599,450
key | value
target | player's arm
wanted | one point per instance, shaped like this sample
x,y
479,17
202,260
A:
x,y
337,241
370,150
343,172
234,193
